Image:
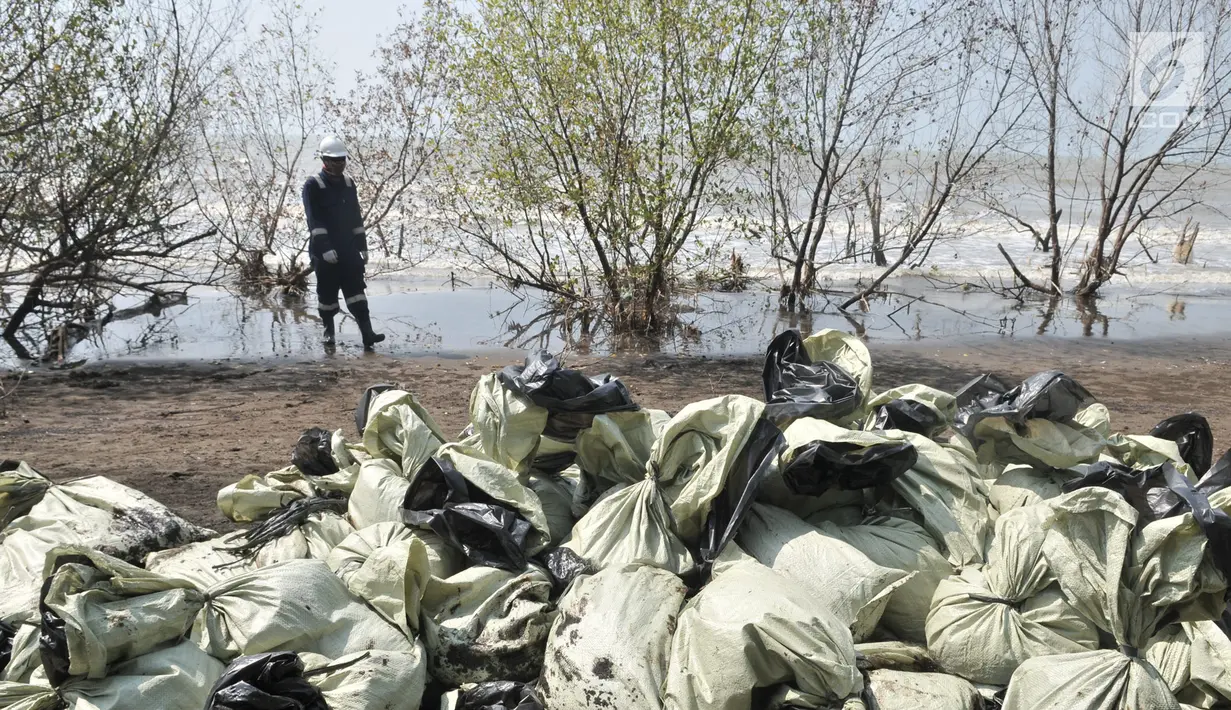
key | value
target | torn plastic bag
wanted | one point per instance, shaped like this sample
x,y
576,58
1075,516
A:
x,y
899,544
816,467
496,695
1162,492
983,625
266,681
1032,423
331,462
508,425
611,642
759,458
313,453
632,525
616,447
488,529
486,624
485,477
21,487
696,452
918,409
571,398
841,578
1050,395
388,569
1127,579
728,652
796,386
399,428
380,491
305,528
895,690
108,517
370,680
563,565
803,435
1192,434
846,351
98,611
298,605
1020,486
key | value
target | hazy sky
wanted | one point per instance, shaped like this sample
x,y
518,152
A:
x,y
350,31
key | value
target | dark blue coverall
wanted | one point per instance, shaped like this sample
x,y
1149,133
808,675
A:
x,y
335,223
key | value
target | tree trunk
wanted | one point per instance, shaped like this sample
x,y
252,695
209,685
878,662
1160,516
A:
x,y
1053,210
25,308
873,197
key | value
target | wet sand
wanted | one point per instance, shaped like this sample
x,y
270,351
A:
x,y
180,432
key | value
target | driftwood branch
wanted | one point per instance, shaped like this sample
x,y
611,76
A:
x,y
1024,279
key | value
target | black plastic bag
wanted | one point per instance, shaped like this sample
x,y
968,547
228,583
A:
x,y
487,532
1191,433
1048,395
499,695
1218,477
728,510
266,681
823,465
571,399
1163,492
554,463
52,638
313,453
7,633
907,415
564,566
796,387
365,402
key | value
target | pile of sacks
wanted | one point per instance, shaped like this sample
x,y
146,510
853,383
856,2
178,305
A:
x,y
834,546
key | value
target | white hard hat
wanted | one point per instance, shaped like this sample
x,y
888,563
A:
x,y
332,147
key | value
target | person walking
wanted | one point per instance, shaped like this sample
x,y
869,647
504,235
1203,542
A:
x,y
338,243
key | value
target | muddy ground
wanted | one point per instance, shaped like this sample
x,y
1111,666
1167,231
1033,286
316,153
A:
x,y
180,432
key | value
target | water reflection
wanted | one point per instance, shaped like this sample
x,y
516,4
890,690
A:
x,y
217,324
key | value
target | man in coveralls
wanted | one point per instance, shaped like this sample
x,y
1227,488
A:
x,y
338,244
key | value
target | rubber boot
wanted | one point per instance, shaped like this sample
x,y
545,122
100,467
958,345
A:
x,y
327,337
362,317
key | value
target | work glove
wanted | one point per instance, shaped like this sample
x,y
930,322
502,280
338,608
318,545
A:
x,y
363,255
330,256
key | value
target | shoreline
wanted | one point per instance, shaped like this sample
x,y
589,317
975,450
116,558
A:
x,y
181,431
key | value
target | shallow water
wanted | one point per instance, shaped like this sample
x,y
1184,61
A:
x,y
421,317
